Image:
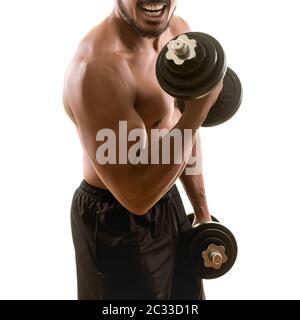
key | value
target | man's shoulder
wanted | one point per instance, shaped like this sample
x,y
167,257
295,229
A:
x,y
95,68
178,26
96,53
98,79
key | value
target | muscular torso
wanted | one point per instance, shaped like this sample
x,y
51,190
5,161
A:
x,y
155,107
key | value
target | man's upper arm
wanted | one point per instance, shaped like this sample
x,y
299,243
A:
x,y
101,93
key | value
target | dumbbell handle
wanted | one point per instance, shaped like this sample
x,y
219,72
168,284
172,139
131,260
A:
x,y
191,218
181,49
214,256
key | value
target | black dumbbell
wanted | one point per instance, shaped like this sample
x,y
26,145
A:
x,y
208,250
190,66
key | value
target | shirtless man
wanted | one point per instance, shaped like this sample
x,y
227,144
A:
x,y
126,217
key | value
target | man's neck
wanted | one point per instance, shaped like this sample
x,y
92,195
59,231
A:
x,y
131,38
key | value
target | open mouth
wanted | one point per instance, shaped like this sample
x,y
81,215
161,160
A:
x,y
153,9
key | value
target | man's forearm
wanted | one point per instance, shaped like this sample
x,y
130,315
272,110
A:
x,y
194,186
156,179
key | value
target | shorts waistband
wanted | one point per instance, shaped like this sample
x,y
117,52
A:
x,y
106,195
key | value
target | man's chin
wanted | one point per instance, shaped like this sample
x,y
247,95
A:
x,y
151,33
150,30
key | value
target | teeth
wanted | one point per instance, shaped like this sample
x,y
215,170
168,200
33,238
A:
x,y
153,6
153,13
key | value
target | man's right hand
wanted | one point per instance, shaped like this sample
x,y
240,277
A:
x,y
201,107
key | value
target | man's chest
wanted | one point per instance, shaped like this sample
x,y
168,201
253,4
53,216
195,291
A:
x,y
153,105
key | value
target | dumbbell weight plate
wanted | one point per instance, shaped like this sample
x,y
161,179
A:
x,y
196,77
228,103
196,241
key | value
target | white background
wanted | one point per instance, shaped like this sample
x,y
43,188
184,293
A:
x,y
251,163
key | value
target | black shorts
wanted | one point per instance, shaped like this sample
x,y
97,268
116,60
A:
x,y
120,255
